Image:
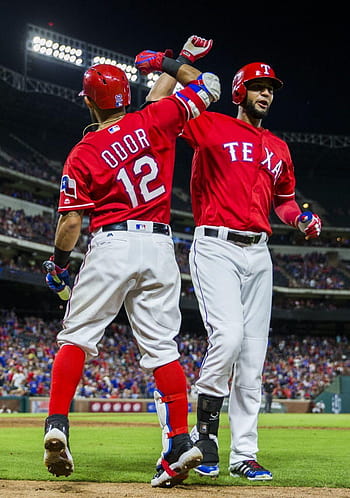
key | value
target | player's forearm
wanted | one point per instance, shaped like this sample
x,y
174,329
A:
x,y
165,84
163,87
68,231
187,73
287,211
184,73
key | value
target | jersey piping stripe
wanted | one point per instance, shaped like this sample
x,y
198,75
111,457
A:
x,y
72,208
285,195
204,304
186,106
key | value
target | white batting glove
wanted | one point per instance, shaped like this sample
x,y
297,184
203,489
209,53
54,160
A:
x,y
310,224
195,48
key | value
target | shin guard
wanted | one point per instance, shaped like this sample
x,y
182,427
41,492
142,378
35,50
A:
x,y
208,415
162,408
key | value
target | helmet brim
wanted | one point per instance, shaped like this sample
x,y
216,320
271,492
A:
x,y
276,83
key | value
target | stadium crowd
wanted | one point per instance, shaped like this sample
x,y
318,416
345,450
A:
x,y
299,367
31,164
312,270
302,367
35,228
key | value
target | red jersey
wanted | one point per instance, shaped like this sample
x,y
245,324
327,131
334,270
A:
x,y
125,171
237,169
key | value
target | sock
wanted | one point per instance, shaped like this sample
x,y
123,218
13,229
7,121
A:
x,y
171,382
66,373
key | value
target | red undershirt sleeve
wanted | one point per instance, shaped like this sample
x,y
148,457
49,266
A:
x,y
287,211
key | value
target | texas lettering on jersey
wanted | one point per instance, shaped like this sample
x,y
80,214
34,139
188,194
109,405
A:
x,y
244,152
238,171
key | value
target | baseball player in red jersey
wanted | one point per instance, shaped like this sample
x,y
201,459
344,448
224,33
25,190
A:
x,y
240,171
121,177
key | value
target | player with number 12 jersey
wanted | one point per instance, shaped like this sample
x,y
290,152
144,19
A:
x,y
128,177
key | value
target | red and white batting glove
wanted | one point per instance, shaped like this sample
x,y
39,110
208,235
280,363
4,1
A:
x,y
148,60
310,224
195,48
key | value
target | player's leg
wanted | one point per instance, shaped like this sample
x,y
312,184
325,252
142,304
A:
x,y
178,455
215,270
205,434
154,315
245,397
65,376
216,274
96,298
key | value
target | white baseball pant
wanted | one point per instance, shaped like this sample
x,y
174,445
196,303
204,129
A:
x,y
138,269
233,285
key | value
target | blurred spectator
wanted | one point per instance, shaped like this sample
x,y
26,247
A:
x,y
312,270
38,228
299,367
269,388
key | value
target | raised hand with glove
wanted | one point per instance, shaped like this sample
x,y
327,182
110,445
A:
x,y
148,60
206,85
195,48
310,224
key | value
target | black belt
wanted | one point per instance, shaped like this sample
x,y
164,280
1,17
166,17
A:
x,y
123,225
234,237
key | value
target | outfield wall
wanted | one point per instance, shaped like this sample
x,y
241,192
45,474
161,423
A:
x,y
336,397
24,404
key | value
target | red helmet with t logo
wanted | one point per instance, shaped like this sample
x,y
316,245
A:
x,y
252,71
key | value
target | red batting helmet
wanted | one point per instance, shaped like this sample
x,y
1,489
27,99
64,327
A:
x,y
107,85
249,72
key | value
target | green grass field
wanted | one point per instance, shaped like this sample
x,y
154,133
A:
x,y
300,449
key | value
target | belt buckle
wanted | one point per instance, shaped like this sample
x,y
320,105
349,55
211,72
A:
x,y
246,240
241,244
256,238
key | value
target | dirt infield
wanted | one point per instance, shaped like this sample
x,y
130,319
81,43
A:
x,y
35,422
48,489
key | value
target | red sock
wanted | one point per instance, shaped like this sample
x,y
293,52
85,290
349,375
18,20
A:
x,y
171,382
66,373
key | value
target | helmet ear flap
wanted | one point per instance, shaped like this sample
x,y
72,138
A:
x,y
239,90
239,93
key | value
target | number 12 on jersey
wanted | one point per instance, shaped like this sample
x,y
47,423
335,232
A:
x,y
147,193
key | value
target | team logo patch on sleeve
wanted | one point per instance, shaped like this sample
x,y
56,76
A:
x,y
68,186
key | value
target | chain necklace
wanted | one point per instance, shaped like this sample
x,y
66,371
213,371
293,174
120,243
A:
x,y
114,120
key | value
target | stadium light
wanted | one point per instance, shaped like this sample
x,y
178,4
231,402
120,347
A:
x,y
47,43
63,49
